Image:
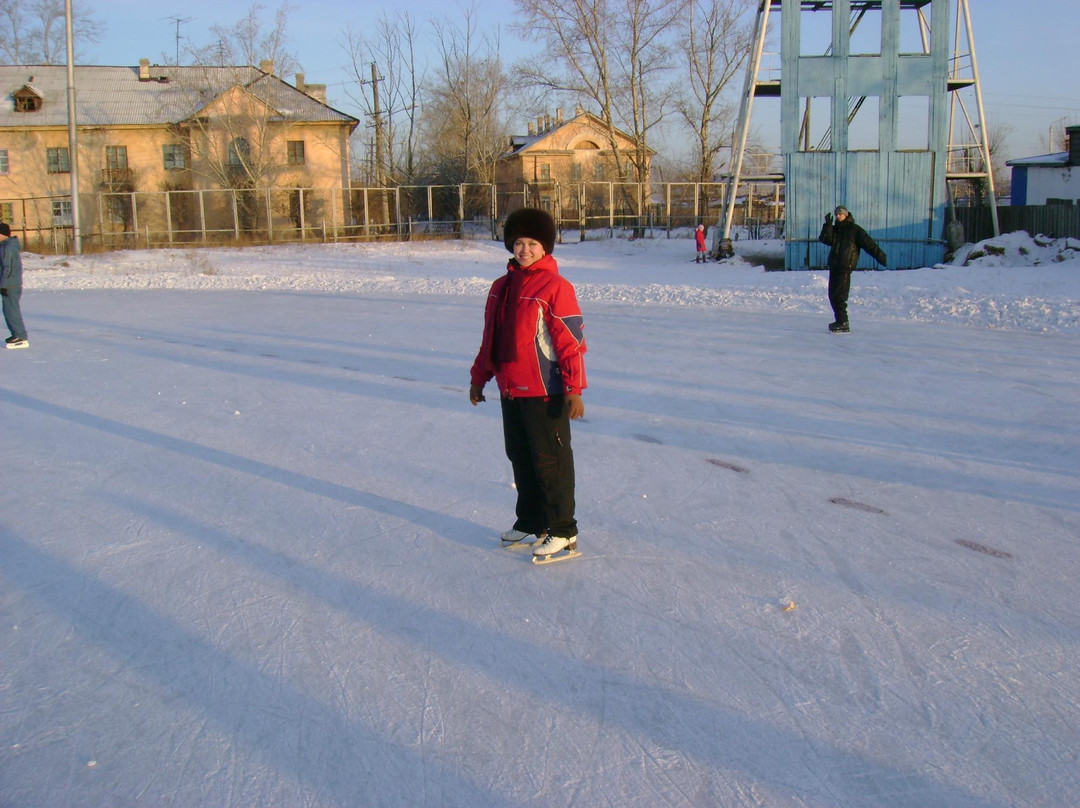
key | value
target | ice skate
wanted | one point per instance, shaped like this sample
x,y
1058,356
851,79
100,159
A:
x,y
519,538
555,548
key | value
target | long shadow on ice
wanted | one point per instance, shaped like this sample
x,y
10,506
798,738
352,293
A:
x,y
439,522
352,762
703,731
712,736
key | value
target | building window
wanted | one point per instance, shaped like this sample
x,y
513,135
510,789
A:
x,y
56,161
61,212
27,103
173,156
4,168
575,172
295,152
239,152
598,170
545,172
116,157
7,212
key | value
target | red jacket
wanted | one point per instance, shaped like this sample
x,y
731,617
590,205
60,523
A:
x,y
548,334
699,237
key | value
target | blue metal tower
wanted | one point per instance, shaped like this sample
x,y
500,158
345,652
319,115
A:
x,y
869,122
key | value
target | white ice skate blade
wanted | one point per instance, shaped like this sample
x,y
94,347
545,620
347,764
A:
x,y
562,555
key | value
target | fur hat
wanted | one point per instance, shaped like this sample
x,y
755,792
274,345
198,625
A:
x,y
5,229
530,223
841,209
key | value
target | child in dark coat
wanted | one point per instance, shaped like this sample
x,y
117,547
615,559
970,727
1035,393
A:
x,y
846,240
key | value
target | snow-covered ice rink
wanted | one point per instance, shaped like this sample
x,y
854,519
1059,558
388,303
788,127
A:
x,y
249,523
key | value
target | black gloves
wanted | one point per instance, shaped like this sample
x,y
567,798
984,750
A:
x,y
3,292
828,218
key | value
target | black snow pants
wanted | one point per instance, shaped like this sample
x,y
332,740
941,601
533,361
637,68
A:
x,y
537,436
839,287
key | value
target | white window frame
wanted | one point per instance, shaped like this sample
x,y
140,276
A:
x,y
63,160
173,157
61,213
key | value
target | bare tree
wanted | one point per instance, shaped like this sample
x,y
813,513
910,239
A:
x,y
615,54
1056,139
35,31
393,52
971,160
462,122
248,42
235,110
717,39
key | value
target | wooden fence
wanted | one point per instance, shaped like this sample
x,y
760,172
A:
x,y
1055,221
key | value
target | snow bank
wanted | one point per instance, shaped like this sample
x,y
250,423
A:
x,y
1011,282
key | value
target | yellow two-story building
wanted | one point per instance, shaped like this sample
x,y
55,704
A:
x,y
571,167
170,153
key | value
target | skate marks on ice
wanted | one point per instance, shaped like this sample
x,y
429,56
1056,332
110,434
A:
x,y
982,548
859,506
726,465
993,552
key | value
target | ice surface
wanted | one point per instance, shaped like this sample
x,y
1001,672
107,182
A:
x,y
249,533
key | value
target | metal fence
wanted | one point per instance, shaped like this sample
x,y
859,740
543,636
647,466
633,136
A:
x,y
153,219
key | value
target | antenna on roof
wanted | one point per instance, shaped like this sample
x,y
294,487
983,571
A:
x,y
178,20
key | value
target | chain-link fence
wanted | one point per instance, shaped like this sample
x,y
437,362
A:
x,y
151,219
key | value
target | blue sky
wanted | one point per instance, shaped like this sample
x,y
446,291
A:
x,y
1023,56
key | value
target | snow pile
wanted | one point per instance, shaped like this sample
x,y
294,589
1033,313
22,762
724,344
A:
x,y
1017,283
1017,250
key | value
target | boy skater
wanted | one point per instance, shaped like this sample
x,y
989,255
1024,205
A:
x,y
11,287
534,347
846,240
699,237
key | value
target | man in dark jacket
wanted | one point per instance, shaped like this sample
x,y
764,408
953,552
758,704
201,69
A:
x,y
11,287
846,240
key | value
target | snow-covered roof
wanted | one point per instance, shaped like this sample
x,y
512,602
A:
x,y
521,143
112,96
1051,160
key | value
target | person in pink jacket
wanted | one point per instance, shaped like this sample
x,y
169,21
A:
x,y
534,347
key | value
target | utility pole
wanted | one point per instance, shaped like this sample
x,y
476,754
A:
x,y
377,114
73,138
